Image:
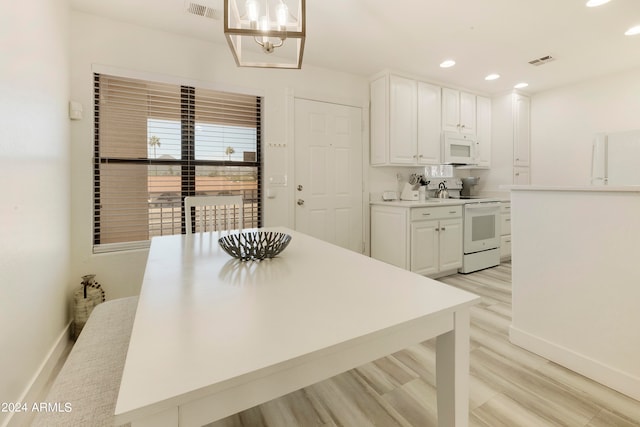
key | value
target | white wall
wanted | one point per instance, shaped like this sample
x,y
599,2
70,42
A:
x,y
564,121
34,178
96,40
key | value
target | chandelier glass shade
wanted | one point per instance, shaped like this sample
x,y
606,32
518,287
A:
x,y
265,33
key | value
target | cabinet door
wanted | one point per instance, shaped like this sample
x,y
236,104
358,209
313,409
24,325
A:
x,y
450,110
403,118
521,176
483,131
429,106
378,122
424,247
521,131
467,113
450,244
505,224
389,235
505,247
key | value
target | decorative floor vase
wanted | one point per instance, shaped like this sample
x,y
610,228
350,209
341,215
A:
x,y
85,300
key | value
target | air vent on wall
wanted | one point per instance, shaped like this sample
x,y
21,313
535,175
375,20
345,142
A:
x,y
201,10
542,60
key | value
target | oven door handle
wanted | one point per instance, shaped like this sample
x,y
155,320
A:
x,y
488,205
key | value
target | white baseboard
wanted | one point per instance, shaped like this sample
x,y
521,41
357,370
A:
x,y
34,391
611,377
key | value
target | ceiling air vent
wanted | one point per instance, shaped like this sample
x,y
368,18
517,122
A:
x,y
201,10
542,60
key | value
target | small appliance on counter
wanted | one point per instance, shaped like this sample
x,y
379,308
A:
x,y
447,188
442,192
469,189
389,196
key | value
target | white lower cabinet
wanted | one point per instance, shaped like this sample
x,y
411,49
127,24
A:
x,y
505,231
427,241
436,246
425,245
388,241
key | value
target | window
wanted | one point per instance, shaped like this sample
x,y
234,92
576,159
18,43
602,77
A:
x,y
157,143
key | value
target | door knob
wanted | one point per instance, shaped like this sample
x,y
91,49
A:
x,y
300,202
300,187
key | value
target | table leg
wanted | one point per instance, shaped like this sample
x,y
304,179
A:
x,y
452,373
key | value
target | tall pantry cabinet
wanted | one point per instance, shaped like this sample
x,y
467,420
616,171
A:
x,y
521,139
511,138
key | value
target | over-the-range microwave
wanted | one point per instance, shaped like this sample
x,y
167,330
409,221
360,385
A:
x,y
458,148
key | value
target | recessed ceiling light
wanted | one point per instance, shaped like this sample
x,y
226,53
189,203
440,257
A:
x,y
632,31
594,3
492,77
448,63
521,85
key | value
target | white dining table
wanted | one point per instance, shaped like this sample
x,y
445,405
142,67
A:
x,y
214,336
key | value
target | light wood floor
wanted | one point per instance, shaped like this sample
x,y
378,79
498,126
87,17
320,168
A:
x,y
509,386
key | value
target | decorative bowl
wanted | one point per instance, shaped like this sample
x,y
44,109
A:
x,y
254,245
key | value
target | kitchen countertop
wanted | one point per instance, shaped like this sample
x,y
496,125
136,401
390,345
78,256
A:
x,y
592,188
436,202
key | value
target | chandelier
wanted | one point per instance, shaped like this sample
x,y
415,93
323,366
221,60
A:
x,y
265,33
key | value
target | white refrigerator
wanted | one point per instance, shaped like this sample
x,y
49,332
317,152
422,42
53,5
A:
x,y
616,158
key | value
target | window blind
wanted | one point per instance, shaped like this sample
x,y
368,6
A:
x,y
157,143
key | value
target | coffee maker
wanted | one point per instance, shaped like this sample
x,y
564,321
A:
x,y
469,189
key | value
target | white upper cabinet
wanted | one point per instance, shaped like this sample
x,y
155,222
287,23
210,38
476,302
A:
x,y
405,122
483,132
428,123
458,111
378,121
521,130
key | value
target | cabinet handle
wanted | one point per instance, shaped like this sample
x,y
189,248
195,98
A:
x,y
508,220
442,228
452,212
517,173
437,229
419,156
508,241
426,214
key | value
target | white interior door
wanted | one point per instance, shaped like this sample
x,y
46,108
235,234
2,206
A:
x,y
328,172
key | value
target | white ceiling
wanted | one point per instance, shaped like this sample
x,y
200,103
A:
x,y
414,36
